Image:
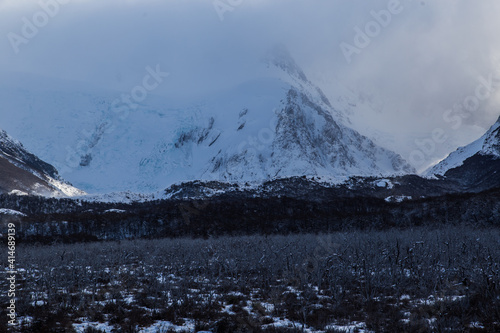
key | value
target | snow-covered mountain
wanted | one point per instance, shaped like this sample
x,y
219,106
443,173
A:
x,y
476,166
275,124
488,146
23,173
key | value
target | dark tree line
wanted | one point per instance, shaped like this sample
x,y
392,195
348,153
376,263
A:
x,y
74,221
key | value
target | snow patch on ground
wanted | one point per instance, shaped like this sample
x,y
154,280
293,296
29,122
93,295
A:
x,y
385,183
397,198
350,328
5,211
122,197
158,327
18,192
105,327
119,211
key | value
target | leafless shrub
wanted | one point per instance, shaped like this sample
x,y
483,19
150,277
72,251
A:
x,y
443,278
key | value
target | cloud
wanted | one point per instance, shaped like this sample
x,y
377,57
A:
x,y
428,58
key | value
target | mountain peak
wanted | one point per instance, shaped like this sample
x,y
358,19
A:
x,y
5,139
279,57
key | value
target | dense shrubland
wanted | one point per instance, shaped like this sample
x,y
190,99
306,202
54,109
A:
x,y
414,280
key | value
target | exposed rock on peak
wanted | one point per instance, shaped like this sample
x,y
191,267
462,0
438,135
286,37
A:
x,y
21,172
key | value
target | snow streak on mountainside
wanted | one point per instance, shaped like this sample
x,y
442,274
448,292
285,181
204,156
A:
x,y
273,125
487,145
23,173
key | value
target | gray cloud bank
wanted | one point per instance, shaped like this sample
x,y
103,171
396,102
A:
x,y
414,61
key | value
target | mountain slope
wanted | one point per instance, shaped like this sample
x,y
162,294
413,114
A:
x,y
275,124
487,145
23,173
476,165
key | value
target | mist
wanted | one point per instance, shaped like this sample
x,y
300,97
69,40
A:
x,y
417,68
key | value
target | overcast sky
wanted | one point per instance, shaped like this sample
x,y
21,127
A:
x,y
414,65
